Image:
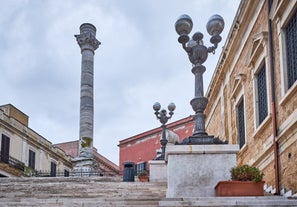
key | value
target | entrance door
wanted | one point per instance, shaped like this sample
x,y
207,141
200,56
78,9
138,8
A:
x,y
5,142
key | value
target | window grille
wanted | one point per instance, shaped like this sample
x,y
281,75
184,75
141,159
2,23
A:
x,y
140,167
262,95
241,124
291,46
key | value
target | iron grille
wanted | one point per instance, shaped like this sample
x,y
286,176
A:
x,y
262,95
13,162
241,124
291,45
139,167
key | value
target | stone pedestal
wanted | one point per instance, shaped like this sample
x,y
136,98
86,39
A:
x,y
194,170
84,167
158,171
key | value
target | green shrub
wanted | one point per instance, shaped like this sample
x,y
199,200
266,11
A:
x,y
143,173
246,173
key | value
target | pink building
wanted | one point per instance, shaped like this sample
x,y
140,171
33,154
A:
x,y
143,147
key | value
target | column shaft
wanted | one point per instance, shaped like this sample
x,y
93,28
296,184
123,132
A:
x,y
88,44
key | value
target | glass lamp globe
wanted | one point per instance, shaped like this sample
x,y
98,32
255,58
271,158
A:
x,y
171,107
215,25
157,106
183,27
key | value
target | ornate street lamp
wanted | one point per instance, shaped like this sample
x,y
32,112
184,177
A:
x,y
198,53
162,116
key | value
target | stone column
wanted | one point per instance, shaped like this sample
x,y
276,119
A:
x,y
88,44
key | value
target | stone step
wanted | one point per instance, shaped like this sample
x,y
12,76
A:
x,y
105,192
75,192
81,202
265,201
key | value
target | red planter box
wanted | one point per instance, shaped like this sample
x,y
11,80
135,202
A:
x,y
239,188
143,178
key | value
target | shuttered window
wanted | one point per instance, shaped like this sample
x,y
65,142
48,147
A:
x,y
5,146
53,169
32,159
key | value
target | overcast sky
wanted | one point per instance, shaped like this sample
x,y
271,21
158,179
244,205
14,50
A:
x,y
138,63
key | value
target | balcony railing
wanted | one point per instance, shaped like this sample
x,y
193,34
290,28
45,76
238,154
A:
x,y
12,162
82,173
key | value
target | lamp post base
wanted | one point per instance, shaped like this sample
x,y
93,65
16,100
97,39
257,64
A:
x,y
201,140
194,171
160,157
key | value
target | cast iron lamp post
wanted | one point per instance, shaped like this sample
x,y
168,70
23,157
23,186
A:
x,y
198,53
162,116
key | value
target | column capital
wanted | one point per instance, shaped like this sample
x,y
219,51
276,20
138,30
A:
x,y
87,37
87,41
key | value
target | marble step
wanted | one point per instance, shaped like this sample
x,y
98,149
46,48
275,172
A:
x,y
265,201
80,202
76,192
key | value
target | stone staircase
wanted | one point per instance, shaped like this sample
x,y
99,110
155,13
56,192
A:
x,y
79,192
107,192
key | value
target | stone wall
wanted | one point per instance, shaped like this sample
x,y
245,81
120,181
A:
x,y
235,79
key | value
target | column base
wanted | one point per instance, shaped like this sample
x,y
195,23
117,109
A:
x,y
84,167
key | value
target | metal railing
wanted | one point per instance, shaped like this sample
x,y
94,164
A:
x,y
12,162
81,173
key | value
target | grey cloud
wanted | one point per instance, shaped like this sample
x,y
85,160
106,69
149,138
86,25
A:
x,y
138,63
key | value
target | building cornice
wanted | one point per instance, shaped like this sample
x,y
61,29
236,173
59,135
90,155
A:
x,y
155,130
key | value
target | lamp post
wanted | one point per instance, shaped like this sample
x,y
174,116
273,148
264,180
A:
x,y
162,116
198,54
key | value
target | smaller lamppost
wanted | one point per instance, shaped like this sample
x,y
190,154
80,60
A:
x,y
162,116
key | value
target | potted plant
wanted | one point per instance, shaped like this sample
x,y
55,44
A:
x,y
245,181
143,176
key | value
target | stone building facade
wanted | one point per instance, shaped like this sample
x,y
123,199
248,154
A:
x,y
24,152
252,94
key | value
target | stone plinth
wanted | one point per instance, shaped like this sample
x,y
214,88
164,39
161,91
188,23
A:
x,y
158,171
194,170
84,167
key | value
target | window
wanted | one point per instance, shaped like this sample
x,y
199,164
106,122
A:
x,y
291,49
66,173
31,159
262,106
241,124
140,167
53,169
4,154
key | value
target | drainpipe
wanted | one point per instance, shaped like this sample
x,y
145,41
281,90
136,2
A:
x,y
273,111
